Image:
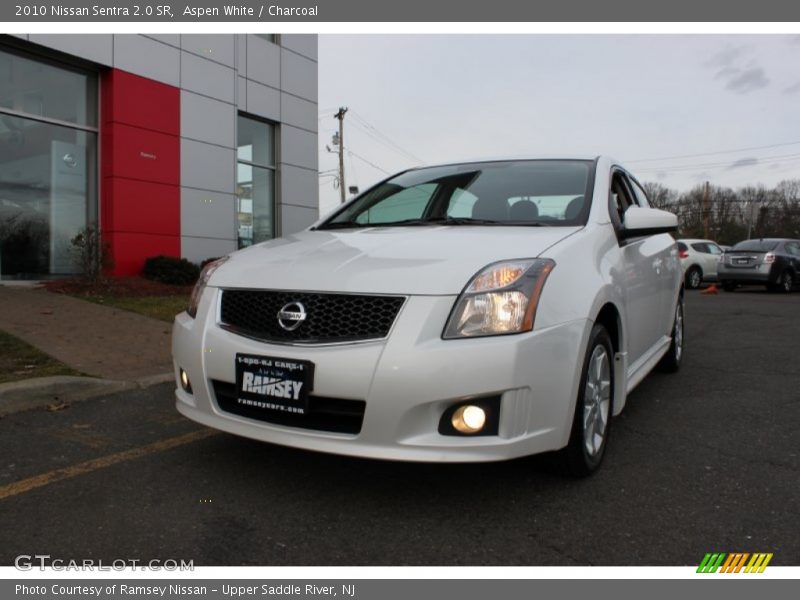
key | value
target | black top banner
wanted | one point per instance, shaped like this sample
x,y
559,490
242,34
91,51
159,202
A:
x,y
326,11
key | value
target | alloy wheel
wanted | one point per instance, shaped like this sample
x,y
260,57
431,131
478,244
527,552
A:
x,y
695,279
596,401
677,334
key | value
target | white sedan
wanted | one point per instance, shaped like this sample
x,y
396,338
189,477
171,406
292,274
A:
x,y
465,312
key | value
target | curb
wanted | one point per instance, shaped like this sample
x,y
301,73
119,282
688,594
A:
x,y
28,394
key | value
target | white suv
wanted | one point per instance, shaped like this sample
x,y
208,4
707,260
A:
x,y
699,259
465,312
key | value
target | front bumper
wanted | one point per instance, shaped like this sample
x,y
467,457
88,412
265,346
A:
x,y
407,380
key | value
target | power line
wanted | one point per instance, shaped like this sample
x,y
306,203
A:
x,y
713,153
727,164
372,164
385,143
367,125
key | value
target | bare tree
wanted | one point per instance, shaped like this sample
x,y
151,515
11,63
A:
x,y
659,195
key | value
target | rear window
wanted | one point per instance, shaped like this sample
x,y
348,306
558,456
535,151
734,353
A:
x,y
682,247
756,245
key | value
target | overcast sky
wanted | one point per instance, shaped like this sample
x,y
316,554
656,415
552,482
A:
x,y
424,99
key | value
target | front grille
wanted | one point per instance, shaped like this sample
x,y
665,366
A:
x,y
324,414
330,317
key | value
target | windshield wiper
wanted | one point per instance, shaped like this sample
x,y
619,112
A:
x,y
471,221
463,221
349,224
402,223
429,221
343,225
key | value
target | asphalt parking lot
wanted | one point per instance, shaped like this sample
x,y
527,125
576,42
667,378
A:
x,y
705,460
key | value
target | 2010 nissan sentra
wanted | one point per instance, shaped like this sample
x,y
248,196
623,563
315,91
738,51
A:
x,y
465,312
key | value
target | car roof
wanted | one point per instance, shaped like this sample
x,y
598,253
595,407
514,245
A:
x,y
693,240
511,158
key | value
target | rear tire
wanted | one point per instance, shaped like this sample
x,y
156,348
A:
x,y
786,282
590,425
694,278
671,361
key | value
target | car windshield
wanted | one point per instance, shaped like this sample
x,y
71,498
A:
x,y
756,245
533,193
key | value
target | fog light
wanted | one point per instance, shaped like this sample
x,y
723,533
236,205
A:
x,y
185,383
469,419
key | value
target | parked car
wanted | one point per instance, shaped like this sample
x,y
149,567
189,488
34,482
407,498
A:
x,y
699,260
464,312
774,262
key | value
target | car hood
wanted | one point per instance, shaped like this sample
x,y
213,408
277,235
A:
x,y
429,260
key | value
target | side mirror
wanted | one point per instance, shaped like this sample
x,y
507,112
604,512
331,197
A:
x,y
648,221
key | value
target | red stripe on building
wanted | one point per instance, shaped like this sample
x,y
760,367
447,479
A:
x,y
139,169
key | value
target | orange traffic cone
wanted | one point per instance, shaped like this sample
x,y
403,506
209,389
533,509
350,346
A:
x,y
711,290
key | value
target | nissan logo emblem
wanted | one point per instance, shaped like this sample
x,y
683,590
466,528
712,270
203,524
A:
x,y
291,316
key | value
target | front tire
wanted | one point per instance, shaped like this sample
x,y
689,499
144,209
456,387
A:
x,y
589,435
694,278
671,361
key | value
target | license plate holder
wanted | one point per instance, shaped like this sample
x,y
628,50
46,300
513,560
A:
x,y
274,384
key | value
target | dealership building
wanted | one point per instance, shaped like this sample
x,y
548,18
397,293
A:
x,y
178,145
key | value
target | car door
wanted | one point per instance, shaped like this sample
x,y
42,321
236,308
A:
x,y
793,252
641,264
702,257
666,269
713,252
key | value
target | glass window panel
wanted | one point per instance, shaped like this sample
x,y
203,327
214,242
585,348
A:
x,y
255,204
408,203
461,204
255,182
47,175
514,191
38,88
256,144
641,196
270,37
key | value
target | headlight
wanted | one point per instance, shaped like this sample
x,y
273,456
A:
x,y
202,281
500,299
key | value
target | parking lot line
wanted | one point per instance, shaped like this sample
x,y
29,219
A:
x,y
32,483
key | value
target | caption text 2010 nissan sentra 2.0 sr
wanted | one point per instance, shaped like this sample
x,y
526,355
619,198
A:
x,y
466,312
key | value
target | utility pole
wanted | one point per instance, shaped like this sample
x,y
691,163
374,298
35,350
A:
x,y
749,218
705,210
340,115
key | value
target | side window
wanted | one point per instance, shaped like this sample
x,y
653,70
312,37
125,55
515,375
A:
x,y
714,249
700,247
461,203
638,191
793,248
620,199
409,203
